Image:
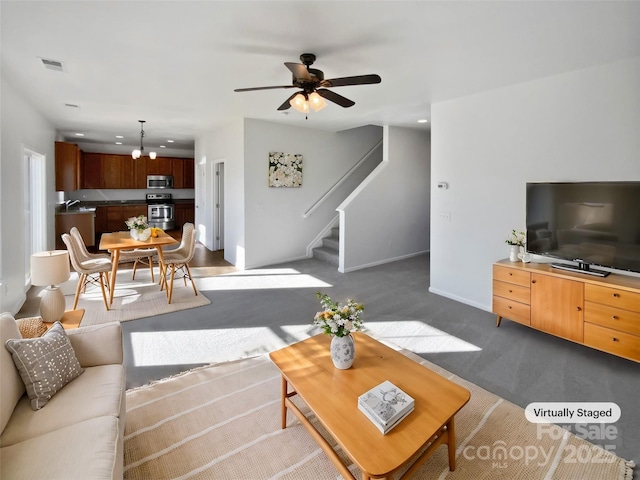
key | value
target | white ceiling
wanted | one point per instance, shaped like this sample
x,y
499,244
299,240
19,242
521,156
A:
x,y
175,64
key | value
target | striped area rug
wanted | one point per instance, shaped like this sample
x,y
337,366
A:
x,y
223,422
134,299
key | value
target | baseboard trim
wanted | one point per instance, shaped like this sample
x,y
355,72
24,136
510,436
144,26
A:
x,y
457,298
382,262
275,262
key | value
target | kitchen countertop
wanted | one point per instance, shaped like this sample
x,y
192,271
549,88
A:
x,y
91,205
76,211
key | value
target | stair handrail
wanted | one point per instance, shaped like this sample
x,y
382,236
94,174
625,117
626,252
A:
x,y
344,178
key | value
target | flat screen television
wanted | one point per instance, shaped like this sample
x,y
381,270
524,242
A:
x,y
590,223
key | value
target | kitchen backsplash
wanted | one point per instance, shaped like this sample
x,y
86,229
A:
x,y
112,194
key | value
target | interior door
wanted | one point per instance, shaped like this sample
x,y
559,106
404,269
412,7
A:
x,y
203,214
219,207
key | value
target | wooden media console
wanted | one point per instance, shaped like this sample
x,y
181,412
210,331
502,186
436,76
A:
x,y
601,313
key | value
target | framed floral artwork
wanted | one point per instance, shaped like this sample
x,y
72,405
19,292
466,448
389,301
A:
x,y
285,169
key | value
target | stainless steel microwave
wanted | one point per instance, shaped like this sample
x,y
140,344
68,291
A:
x,y
159,181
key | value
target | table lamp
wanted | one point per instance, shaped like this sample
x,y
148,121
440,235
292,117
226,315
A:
x,y
47,270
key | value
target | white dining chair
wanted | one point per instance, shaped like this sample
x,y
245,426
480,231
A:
x,y
92,269
177,260
139,256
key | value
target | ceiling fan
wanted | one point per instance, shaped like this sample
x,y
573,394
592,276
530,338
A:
x,y
314,87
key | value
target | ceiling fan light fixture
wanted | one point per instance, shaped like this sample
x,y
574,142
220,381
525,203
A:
x,y
317,102
300,103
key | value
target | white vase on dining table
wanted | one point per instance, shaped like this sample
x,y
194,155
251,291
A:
x,y
142,235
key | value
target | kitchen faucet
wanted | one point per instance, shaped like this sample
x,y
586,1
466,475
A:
x,y
68,203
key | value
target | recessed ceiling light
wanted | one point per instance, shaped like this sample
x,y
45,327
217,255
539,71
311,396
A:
x,y
423,120
162,146
170,141
119,136
79,134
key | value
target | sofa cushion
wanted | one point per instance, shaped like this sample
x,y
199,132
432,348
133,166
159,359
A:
x,y
86,450
11,384
46,364
98,392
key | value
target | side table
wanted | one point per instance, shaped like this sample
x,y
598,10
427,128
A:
x,y
70,319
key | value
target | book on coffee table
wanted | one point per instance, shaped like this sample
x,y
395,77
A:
x,y
385,405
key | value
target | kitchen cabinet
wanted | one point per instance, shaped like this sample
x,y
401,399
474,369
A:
x,y
91,171
601,313
68,166
114,219
160,166
100,222
83,221
188,180
112,171
140,173
118,172
177,168
183,175
184,212
109,171
118,214
129,211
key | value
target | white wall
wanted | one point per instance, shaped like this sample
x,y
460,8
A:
x,y
387,217
227,143
579,126
22,128
276,230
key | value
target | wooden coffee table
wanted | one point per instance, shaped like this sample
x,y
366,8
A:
x,y
332,395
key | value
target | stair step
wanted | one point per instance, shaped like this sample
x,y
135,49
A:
x,y
332,243
327,255
335,232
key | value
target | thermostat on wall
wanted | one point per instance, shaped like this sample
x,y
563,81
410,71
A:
x,y
443,185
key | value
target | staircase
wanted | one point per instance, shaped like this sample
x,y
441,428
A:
x,y
329,251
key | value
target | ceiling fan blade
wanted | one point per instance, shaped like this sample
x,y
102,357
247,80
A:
x,y
286,105
299,71
262,88
357,80
335,98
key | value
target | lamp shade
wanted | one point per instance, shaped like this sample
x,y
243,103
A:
x,y
50,268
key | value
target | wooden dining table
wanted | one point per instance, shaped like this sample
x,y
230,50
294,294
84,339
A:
x,y
116,241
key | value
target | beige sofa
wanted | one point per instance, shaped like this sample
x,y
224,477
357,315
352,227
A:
x,y
79,433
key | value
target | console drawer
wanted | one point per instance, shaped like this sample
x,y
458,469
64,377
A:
x,y
612,296
612,317
612,341
518,312
511,291
512,275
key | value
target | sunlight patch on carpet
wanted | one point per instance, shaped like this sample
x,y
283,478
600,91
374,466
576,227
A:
x,y
260,279
419,337
186,347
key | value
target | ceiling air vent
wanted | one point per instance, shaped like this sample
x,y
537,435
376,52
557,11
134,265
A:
x,y
52,64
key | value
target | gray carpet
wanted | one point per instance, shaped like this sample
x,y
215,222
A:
x,y
255,311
